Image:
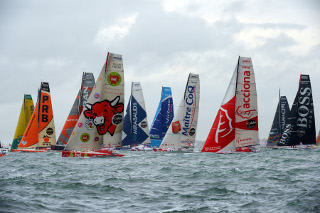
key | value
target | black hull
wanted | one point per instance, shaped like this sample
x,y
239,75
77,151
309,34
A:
x,y
57,147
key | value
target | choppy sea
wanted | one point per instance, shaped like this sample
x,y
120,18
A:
x,y
268,181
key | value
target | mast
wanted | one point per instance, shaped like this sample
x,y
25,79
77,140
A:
x,y
235,92
280,128
80,98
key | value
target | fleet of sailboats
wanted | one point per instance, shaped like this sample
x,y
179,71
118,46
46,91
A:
x,y
300,131
96,124
235,127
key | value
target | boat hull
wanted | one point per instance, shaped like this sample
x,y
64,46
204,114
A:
x,y
173,149
57,147
96,153
29,150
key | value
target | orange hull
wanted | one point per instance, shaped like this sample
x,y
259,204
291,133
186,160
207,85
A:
x,y
29,150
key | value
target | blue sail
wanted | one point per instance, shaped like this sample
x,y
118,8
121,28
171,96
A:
x,y
163,117
127,140
138,115
135,125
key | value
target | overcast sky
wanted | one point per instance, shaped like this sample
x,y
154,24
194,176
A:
x,y
161,43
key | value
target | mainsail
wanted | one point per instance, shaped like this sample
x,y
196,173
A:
x,y
135,124
236,124
40,132
300,128
279,122
76,110
182,131
100,123
24,118
163,117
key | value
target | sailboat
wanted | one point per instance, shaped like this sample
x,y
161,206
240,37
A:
x,y
163,117
135,123
40,132
87,84
182,131
24,118
300,131
235,128
279,122
99,127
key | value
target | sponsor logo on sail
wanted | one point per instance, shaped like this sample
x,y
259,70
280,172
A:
x,y
85,137
85,95
224,127
176,127
89,124
105,115
192,131
134,118
49,131
143,124
45,108
285,134
114,79
97,95
80,124
190,100
152,136
24,142
304,111
283,115
245,111
96,138
251,124
117,119
116,65
115,57
46,138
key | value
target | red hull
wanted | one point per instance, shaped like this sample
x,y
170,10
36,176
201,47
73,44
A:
x,y
243,149
95,153
160,150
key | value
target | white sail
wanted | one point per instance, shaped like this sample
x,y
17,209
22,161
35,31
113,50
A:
x,y
100,123
246,107
182,130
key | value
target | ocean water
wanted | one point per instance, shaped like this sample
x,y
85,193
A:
x,y
269,181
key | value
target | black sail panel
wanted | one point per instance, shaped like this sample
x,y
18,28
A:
x,y
301,125
306,130
284,112
279,122
275,131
